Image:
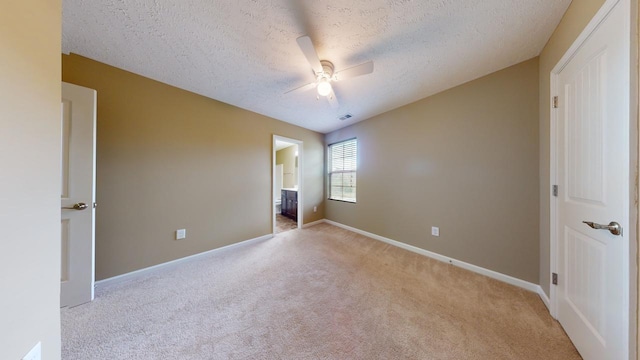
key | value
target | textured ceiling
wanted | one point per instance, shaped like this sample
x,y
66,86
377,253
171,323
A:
x,y
244,52
282,145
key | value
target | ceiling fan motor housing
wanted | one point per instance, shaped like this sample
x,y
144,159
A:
x,y
327,68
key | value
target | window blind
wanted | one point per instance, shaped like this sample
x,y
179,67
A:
x,y
343,158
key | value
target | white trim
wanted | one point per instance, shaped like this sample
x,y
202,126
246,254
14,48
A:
x,y
137,273
632,232
300,145
553,201
314,223
93,195
474,268
544,297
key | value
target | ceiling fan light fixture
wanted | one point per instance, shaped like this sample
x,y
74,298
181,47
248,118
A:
x,y
324,87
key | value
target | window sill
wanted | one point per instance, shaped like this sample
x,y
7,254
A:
x,y
344,201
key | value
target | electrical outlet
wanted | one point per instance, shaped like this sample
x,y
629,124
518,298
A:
x,y
35,353
435,231
315,208
181,234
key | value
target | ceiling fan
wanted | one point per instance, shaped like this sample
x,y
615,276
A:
x,y
324,72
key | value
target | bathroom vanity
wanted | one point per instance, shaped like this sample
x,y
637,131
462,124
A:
x,y
289,203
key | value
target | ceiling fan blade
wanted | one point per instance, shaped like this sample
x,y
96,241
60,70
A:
x,y
332,100
310,53
362,69
302,88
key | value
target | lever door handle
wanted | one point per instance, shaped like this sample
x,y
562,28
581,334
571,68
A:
x,y
78,206
613,227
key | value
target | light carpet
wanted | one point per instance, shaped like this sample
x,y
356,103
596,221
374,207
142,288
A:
x,y
316,293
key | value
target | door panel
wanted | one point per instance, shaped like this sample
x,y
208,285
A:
x,y
77,186
64,263
66,139
584,131
584,269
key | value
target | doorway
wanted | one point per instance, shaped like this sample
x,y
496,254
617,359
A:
x,y
287,184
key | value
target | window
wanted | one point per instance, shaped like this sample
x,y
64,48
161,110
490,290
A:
x,y
343,159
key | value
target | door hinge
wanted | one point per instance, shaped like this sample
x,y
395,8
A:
x,y
555,102
554,190
554,278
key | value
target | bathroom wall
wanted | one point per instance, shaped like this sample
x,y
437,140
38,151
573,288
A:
x,y
287,157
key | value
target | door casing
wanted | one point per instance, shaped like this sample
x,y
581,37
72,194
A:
x,y
300,179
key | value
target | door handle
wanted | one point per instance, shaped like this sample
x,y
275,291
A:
x,y
78,206
613,227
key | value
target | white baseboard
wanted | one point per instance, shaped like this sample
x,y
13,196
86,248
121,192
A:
x,y
313,223
476,269
137,273
544,297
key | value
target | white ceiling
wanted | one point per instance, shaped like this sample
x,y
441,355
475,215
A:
x,y
282,145
244,52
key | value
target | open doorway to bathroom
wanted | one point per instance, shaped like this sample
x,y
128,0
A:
x,y
287,184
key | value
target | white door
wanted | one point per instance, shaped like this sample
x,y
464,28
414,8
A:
x,y
593,177
77,194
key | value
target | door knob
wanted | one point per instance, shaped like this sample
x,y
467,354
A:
x,y
78,206
613,227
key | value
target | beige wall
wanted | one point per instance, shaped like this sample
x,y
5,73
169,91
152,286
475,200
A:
x,y
574,21
169,159
465,160
287,157
30,177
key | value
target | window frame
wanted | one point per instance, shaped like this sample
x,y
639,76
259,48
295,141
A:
x,y
330,166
